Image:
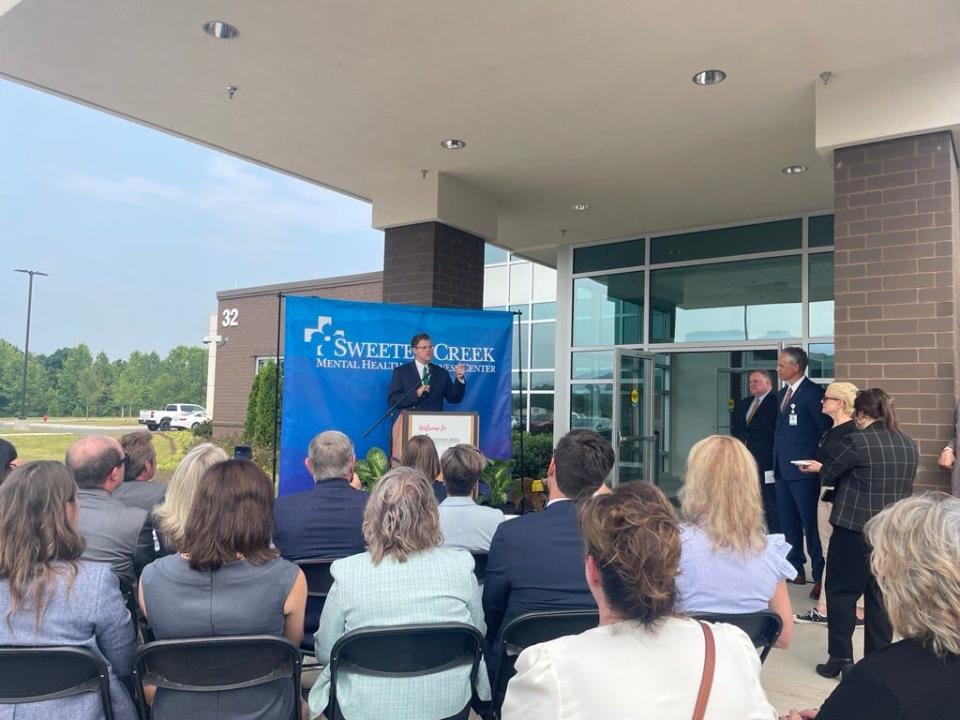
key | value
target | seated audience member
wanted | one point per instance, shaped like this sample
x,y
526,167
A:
x,y
140,469
170,517
403,577
421,453
536,561
114,532
327,520
50,597
729,564
226,580
465,524
916,562
642,661
8,458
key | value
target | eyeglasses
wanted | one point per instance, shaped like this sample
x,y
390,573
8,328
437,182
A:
x,y
123,460
423,347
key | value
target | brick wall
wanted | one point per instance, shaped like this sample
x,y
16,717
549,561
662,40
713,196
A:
x,y
432,264
896,259
255,335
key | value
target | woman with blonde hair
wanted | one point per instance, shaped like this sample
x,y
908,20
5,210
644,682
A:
x,y
916,563
729,564
170,517
404,577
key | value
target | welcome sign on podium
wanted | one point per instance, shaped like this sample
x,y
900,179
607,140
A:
x,y
339,357
446,429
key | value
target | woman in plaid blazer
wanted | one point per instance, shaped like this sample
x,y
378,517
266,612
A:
x,y
871,469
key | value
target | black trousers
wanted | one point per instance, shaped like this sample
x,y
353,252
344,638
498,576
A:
x,y
849,577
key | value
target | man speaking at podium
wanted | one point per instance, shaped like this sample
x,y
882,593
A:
x,y
433,384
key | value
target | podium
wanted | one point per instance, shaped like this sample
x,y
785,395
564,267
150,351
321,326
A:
x,y
446,429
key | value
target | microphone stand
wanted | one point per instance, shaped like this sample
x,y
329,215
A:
x,y
392,408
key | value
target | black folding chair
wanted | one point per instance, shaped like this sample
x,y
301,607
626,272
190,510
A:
x,y
533,629
140,626
403,651
217,664
762,627
319,582
479,565
34,674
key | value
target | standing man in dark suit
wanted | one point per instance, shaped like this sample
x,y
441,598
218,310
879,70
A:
x,y
433,384
800,423
754,422
536,561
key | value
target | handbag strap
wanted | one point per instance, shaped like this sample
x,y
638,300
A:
x,y
706,681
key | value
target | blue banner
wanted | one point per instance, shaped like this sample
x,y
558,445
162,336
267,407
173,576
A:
x,y
339,357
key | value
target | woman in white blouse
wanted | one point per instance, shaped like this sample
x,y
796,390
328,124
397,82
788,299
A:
x,y
643,660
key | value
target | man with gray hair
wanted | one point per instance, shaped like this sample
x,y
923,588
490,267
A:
x,y
327,520
465,525
114,533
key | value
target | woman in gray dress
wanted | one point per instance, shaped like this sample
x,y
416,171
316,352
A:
x,y
49,597
227,580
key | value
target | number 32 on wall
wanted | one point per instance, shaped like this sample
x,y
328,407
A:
x,y
230,316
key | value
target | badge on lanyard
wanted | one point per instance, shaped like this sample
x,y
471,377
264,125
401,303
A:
x,y
793,415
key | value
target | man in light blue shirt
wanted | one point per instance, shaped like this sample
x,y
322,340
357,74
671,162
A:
x,y
465,524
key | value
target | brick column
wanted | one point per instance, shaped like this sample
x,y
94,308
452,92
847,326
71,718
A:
x,y
897,275
432,264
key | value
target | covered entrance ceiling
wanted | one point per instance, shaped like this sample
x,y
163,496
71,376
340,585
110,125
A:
x,y
559,103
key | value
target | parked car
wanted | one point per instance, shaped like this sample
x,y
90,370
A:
x,y
182,416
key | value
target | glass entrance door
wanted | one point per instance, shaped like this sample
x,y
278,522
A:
x,y
635,443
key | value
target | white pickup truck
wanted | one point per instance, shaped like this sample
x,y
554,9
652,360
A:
x,y
174,415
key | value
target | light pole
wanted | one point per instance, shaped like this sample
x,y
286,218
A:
x,y
26,345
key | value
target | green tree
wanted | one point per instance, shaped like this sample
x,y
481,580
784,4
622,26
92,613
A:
x,y
74,383
261,404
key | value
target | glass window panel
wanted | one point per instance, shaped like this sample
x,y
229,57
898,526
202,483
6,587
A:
x,y
495,286
521,355
544,283
523,308
493,254
821,295
751,300
608,309
542,337
518,412
545,311
541,413
520,281
763,237
820,231
591,408
515,380
609,256
593,365
542,380
821,360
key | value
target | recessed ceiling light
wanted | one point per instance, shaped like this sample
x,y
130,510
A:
x,y
709,77
220,30
454,144
580,207
794,169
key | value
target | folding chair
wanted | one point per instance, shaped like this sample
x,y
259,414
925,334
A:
x,y
319,582
217,664
404,651
762,627
34,674
532,629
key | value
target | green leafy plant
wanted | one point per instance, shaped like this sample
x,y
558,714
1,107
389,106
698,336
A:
x,y
499,478
372,468
204,429
537,451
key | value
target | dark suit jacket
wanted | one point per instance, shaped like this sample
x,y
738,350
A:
x,y
758,435
535,563
325,521
141,494
798,442
442,387
871,470
115,533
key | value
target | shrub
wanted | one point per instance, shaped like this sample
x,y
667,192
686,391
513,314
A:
x,y
204,429
537,451
259,424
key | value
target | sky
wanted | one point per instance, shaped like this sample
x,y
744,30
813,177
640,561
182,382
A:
x,y
139,230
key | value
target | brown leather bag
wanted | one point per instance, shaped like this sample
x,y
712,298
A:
x,y
706,681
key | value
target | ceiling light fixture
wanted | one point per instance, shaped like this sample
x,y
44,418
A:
x,y
454,144
220,30
794,169
709,77
580,207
